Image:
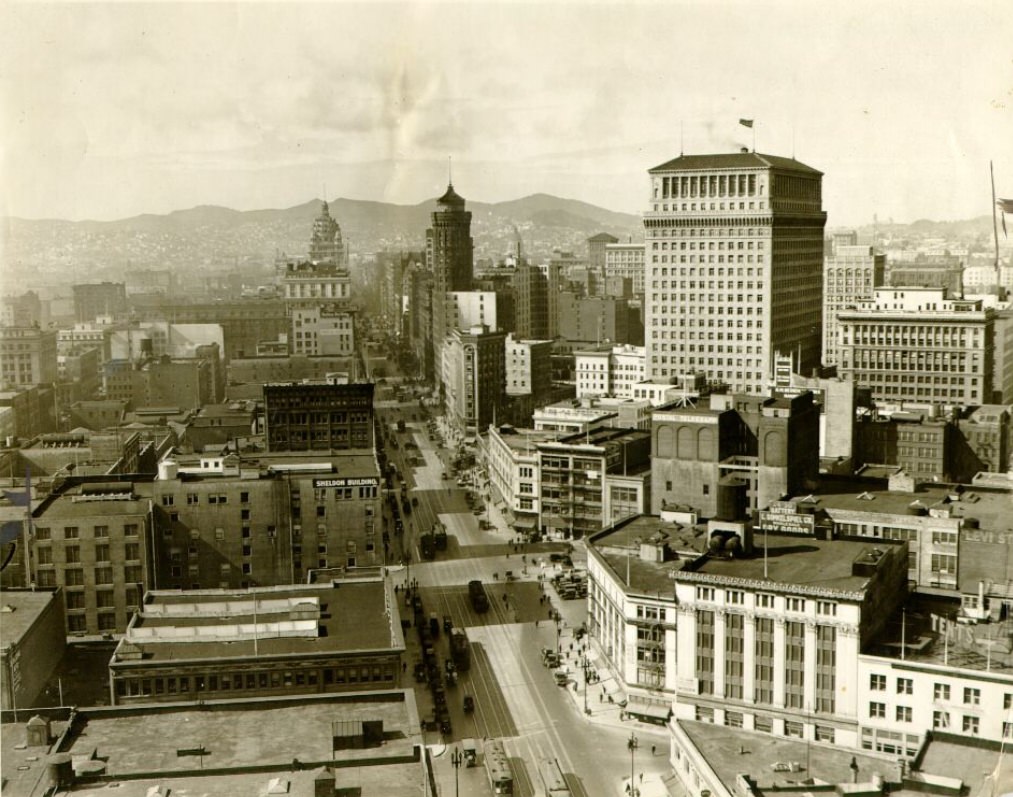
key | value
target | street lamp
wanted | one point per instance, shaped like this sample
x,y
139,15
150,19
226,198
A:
x,y
631,744
559,649
456,758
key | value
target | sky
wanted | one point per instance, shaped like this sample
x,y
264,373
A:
x,y
113,109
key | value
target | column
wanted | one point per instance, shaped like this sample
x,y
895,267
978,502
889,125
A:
x,y
749,658
779,661
719,652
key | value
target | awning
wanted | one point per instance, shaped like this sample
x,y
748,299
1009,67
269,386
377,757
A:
x,y
525,522
656,709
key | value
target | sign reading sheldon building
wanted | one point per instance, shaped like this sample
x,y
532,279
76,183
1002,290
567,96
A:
x,y
783,517
348,481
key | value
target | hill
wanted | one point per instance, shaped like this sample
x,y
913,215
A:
x,y
216,238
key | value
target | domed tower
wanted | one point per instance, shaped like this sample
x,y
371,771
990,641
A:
x,y
326,246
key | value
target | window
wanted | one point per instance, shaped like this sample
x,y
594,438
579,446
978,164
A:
x,y
903,713
795,604
877,710
941,692
877,683
940,720
72,553
905,686
70,533
103,575
971,725
42,533
972,697
828,608
76,622
764,601
130,530
101,553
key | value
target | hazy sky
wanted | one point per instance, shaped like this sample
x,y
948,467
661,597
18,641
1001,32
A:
x,y
109,110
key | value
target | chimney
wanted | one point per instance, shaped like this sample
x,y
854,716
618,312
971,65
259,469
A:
x,y
744,150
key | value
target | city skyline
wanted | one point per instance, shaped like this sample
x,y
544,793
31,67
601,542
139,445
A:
x,y
112,110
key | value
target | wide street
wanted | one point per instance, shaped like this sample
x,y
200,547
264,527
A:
x,y
516,698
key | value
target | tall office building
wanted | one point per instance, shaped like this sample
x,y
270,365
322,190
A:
x,y
318,294
96,299
450,252
851,273
473,376
734,271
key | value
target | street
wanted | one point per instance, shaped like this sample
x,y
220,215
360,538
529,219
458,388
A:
x,y
516,698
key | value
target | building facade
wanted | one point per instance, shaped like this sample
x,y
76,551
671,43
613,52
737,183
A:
x,y
593,479
626,261
734,250
318,294
474,372
915,344
340,636
93,539
318,417
27,357
96,299
610,372
450,255
851,274
735,455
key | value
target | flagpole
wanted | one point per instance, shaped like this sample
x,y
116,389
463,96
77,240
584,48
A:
x,y
995,226
28,527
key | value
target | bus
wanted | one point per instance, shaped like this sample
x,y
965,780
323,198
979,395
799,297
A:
x,y
552,779
497,767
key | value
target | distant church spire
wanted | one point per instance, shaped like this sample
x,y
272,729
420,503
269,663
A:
x,y
450,171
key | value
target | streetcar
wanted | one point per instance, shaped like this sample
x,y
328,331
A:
x,y
497,767
552,779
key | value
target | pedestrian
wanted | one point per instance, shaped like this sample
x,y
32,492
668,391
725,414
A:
x,y
641,777
654,748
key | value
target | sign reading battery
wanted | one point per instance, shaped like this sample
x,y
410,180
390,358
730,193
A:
x,y
783,518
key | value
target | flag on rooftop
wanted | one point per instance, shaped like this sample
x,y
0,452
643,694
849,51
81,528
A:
x,y
1005,206
746,122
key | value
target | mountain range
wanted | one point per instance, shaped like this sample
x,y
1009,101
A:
x,y
219,237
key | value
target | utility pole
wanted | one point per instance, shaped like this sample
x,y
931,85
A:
x,y
631,745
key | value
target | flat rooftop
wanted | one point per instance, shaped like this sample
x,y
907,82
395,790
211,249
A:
x,y
238,734
619,547
600,437
731,752
990,507
349,616
924,631
526,439
19,609
796,561
81,501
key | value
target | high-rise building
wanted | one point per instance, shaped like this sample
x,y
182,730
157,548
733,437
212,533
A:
x,y
450,252
318,294
92,300
531,295
851,273
473,373
914,344
626,260
609,371
734,251
596,247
